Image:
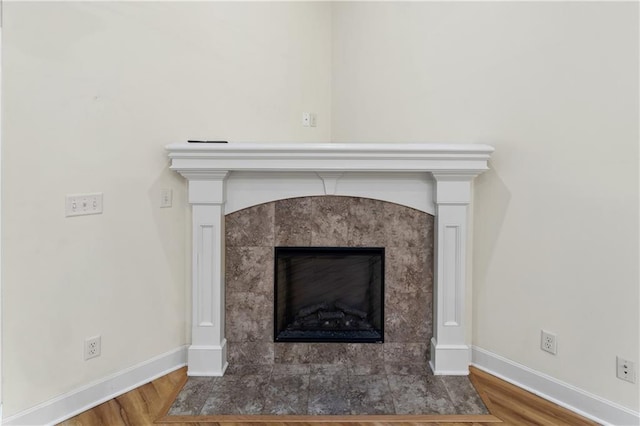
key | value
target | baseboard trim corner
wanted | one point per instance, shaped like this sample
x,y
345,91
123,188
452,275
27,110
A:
x,y
88,396
563,394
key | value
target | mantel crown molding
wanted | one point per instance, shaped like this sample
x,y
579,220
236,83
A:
x,y
467,159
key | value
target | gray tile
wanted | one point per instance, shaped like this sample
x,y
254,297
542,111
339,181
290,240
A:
x,y
253,227
370,395
420,395
240,382
236,395
291,369
365,353
406,227
249,317
421,369
330,221
408,317
463,395
291,353
328,395
407,270
227,381
293,222
367,228
233,403
192,397
406,353
329,369
249,269
250,353
366,370
328,353
249,369
287,395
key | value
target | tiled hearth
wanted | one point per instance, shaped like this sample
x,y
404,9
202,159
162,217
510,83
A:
x,y
252,233
315,389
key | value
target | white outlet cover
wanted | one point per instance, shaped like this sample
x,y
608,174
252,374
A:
x,y
306,119
549,342
625,370
92,347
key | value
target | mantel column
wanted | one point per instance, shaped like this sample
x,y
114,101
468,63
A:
x,y
450,354
208,350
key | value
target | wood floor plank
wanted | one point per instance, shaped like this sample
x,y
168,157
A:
x,y
518,406
507,403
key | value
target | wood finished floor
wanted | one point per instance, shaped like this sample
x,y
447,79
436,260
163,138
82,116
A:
x,y
146,404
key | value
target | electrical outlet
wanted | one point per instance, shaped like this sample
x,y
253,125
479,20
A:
x,y
82,204
309,119
166,197
548,343
626,370
92,347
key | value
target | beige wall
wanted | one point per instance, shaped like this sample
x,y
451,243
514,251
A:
x,y
554,87
93,91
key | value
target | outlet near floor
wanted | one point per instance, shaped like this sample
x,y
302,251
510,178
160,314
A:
x,y
625,370
548,342
92,347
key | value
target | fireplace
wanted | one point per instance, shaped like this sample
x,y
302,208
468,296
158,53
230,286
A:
x,y
329,294
432,178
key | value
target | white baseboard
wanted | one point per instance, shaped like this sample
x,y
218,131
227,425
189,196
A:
x,y
75,402
556,391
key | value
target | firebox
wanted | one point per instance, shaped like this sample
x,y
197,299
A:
x,y
329,294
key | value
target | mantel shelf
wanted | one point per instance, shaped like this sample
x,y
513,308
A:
x,y
406,157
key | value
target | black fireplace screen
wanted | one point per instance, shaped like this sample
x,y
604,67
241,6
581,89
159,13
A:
x,y
329,294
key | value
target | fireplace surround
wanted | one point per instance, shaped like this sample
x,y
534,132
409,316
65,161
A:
x,y
253,233
434,178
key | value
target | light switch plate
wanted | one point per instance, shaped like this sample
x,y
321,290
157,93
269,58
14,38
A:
x,y
83,204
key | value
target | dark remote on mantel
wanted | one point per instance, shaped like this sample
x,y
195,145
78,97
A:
x,y
208,141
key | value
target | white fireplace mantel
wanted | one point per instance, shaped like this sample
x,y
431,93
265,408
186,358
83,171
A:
x,y
223,178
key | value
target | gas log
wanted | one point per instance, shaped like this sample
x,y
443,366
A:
x,y
323,315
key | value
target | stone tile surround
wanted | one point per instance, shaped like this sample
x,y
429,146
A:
x,y
406,234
